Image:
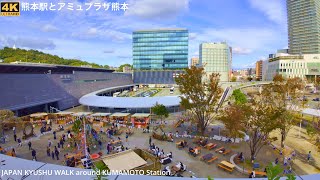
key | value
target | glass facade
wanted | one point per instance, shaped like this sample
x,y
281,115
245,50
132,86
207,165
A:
x,y
303,26
160,49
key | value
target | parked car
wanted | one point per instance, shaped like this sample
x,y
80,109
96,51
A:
x,y
316,99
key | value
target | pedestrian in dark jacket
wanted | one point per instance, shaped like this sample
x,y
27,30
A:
x,y
52,155
15,137
34,154
61,143
57,154
29,144
54,135
48,151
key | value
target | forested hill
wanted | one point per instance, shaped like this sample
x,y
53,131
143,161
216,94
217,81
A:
x,y
11,55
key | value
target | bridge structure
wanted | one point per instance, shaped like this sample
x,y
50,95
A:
x,y
229,87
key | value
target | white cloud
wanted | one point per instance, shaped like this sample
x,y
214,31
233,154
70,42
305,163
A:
x,y
156,8
109,51
49,28
275,10
114,35
192,36
249,39
29,43
239,50
92,31
249,65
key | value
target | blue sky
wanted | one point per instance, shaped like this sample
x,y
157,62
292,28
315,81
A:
x,y
254,28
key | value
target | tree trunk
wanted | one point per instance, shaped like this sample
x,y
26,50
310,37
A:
x,y
283,138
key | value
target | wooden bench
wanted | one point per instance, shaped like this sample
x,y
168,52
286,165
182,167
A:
x,y
259,173
212,159
211,146
226,152
225,168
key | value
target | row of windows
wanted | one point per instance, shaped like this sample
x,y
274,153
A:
x,y
294,71
141,61
161,44
159,53
161,48
159,58
162,56
168,34
155,39
160,66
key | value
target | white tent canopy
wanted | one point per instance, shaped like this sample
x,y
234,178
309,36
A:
x,y
126,160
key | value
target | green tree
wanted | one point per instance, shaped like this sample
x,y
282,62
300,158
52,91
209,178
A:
x,y
249,78
283,96
34,56
120,69
160,110
239,97
274,172
200,95
233,118
233,79
259,122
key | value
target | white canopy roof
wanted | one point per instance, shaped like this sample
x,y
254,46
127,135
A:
x,y
100,114
63,113
128,102
126,160
38,114
141,115
120,114
81,113
313,112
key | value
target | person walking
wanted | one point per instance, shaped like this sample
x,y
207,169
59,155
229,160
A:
x,y
57,153
49,142
148,128
19,142
127,136
61,143
54,135
309,156
100,144
29,144
52,155
13,153
14,130
15,137
34,155
48,151
150,140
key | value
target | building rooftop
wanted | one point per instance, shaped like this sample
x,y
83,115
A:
x,y
39,68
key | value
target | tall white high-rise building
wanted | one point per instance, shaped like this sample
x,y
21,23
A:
x,y
216,58
304,26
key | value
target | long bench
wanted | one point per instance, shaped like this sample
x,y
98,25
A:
x,y
225,168
259,173
212,159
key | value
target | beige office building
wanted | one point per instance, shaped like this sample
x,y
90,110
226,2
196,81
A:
x,y
194,61
216,58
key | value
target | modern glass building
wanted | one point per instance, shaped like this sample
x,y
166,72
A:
x,y
304,26
160,49
216,58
